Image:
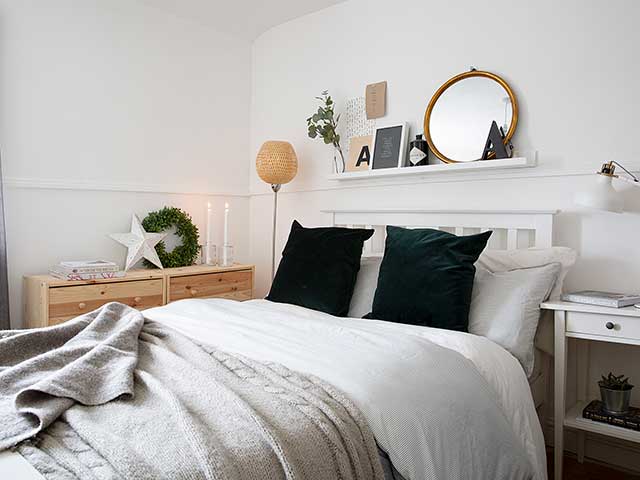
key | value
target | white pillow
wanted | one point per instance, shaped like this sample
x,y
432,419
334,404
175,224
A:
x,y
505,307
365,287
504,260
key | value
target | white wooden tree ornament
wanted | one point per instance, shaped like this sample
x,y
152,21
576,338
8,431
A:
x,y
140,244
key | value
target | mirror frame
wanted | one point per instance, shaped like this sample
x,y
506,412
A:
x,y
454,80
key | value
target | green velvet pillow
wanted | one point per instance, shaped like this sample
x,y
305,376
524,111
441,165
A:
x,y
426,278
319,268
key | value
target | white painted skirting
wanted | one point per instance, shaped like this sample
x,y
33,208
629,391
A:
x,y
56,184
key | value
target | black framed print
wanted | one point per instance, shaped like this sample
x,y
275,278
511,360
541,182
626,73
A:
x,y
389,146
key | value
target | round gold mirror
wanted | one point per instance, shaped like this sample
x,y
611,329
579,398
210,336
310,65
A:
x,y
461,112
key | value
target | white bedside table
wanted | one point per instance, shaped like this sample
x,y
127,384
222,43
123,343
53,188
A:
x,y
585,322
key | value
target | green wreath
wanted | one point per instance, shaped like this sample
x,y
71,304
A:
x,y
183,255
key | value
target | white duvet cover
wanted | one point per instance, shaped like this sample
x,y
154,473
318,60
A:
x,y
367,360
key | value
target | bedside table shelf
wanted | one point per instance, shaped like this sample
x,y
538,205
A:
x,y
575,420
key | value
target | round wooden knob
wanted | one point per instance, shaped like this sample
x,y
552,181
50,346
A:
x,y
194,292
610,325
137,299
82,305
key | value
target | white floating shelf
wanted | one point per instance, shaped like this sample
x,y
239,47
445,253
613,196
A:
x,y
443,168
574,419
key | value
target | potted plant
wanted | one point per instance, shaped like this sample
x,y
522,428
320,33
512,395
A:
x,y
616,393
323,124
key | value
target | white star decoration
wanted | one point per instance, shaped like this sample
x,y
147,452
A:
x,y
140,243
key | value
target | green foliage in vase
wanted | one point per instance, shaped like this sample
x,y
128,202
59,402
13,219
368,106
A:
x,y
324,123
614,382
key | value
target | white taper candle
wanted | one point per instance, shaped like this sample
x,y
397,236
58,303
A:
x,y
207,240
226,234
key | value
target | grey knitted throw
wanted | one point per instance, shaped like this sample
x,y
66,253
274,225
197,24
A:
x,y
109,395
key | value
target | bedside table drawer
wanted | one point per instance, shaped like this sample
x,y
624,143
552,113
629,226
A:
x,y
69,302
603,325
236,285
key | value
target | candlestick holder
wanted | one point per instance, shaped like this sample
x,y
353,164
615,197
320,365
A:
x,y
227,256
210,254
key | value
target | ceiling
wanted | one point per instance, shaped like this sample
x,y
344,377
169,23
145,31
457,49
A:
x,y
243,18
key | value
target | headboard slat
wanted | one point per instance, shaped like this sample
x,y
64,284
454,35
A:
x,y
523,228
512,239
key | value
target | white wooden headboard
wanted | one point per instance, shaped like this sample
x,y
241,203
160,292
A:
x,y
512,229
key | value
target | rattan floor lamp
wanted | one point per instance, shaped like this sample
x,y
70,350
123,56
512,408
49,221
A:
x,y
276,164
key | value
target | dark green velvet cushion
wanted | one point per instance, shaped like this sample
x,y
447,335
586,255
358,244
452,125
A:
x,y
426,278
319,268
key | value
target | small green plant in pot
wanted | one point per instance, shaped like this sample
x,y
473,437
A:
x,y
616,393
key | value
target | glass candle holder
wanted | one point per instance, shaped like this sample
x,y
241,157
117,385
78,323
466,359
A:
x,y
210,254
200,260
227,256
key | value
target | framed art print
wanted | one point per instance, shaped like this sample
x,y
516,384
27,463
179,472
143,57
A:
x,y
389,147
359,153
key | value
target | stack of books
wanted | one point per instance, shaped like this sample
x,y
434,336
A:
x,y
595,411
86,270
603,299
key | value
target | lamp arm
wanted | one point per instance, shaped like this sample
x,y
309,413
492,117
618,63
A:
x,y
635,179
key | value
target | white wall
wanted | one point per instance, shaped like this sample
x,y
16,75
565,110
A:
x,y
572,67
570,64
110,107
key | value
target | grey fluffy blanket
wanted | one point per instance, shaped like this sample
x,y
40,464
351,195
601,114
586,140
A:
x,y
110,395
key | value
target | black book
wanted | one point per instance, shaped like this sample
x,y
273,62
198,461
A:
x,y
595,411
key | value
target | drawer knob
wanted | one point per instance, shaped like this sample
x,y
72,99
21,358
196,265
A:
x,y
137,299
610,325
82,305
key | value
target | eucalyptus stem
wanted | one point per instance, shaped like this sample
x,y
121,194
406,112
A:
x,y
324,124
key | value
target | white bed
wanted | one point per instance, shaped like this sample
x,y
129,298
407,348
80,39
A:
x,y
317,343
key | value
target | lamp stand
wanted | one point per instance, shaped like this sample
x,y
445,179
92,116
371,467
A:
x,y
276,188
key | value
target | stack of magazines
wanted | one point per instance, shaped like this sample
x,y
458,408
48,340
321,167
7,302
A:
x,y
603,299
86,270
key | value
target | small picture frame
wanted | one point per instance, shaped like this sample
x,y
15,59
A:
x,y
360,153
389,146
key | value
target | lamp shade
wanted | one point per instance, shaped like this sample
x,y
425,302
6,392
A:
x,y
276,162
601,195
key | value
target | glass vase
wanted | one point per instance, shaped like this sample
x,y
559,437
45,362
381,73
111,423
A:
x,y
210,254
338,160
226,258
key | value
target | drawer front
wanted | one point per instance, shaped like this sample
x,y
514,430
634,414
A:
x,y
69,302
603,325
235,285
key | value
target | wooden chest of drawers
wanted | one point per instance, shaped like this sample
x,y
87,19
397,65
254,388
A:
x,y
49,301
